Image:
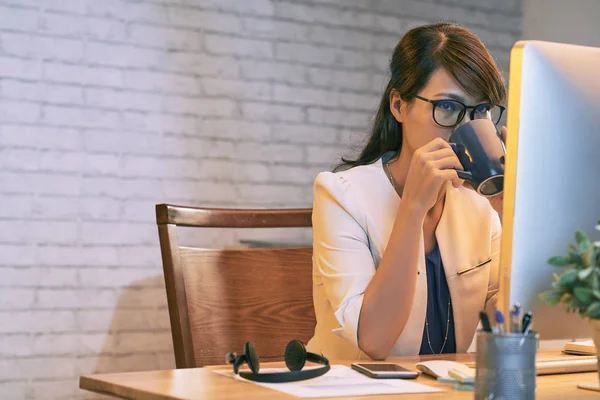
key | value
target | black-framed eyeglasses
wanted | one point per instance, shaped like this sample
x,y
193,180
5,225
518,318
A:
x,y
448,113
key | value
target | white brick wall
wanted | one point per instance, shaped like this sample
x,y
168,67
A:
x,y
108,107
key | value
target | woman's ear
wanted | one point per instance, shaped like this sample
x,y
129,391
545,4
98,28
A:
x,y
397,106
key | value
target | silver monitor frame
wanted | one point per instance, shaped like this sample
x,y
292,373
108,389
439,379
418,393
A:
x,y
552,181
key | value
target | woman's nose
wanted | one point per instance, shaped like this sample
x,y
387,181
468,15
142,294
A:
x,y
465,119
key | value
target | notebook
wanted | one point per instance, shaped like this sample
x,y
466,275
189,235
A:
x,y
582,348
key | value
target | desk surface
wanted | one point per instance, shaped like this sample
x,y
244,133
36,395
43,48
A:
x,y
203,383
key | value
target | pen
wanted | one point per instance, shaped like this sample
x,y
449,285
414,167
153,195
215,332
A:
x,y
513,313
485,321
526,326
527,322
499,321
515,318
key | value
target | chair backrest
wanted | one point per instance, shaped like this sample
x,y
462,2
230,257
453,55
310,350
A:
x,y
219,299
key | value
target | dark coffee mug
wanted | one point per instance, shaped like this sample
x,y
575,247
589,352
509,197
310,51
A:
x,y
481,152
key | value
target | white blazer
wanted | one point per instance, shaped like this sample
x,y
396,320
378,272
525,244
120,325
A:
x,y
353,216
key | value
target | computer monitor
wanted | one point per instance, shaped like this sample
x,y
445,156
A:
x,y
552,181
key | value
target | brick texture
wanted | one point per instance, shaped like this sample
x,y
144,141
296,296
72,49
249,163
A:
x,y
108,107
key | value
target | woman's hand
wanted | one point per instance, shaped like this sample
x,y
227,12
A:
x,y
431,166
496,202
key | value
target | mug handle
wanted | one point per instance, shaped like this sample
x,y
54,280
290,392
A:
x,y
467,176
464,175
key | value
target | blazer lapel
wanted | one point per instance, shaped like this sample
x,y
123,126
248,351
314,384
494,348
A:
x,y
465,249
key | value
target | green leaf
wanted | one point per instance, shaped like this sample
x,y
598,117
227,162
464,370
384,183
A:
x,y
582,239
585,273
556,285
575,303
569,278
556,276
596,294
572,248
564,298
588,257
593,311
595,281
559,261
584,294
551,297
576,258
593,255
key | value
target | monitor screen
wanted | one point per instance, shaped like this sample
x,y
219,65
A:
x,y
552,182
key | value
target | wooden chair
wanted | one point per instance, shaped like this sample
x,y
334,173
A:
x,y
219,299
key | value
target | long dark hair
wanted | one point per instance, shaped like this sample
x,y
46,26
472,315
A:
x,y
419,53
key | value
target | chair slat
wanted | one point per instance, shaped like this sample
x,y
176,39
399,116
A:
x,y
233,218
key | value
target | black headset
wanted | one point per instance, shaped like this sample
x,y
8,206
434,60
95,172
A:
x,y
295,358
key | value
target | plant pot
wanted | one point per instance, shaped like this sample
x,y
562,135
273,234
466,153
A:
x,y
595,324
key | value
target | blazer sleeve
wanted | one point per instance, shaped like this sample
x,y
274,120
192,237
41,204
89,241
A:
x,y
494,280
341,253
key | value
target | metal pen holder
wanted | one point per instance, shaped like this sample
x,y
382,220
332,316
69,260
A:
x,y
505,366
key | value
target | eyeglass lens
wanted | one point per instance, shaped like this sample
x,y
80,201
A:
x,y
449,113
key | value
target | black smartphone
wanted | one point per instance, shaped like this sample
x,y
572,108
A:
x,y
384,371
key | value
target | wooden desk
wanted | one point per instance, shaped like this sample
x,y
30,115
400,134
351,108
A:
x,y
203,383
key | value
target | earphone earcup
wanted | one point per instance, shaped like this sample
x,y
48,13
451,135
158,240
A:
x,y
230,357
252,357
295,355
239,360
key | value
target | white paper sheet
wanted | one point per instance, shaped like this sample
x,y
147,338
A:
x,y
339,381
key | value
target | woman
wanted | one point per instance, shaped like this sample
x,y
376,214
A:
x,y
405,256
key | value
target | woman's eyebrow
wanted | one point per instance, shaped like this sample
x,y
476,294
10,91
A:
x,y
460,98
452,96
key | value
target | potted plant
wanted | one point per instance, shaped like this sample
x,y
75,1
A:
x,y
578,284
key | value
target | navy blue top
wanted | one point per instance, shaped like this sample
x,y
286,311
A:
x,y
437,307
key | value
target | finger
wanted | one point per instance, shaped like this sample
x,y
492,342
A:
x,y
423,159
457,182
503,132
436,144
438,154
498,198
449,175
497,202
450,162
